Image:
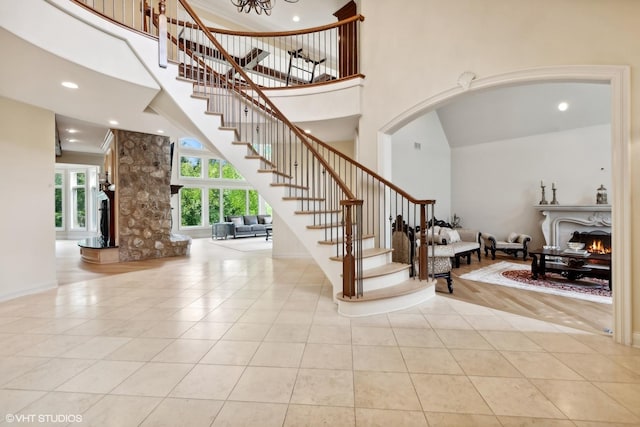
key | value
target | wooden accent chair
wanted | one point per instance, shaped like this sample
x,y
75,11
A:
x,y
514,243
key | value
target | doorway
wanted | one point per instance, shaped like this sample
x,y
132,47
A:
x,y
618,77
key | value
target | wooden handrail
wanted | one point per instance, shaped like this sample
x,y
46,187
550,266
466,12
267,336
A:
x,y
372,173
303,137
185,24
287,33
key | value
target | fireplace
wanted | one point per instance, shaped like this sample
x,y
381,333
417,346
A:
x,y
596,242
560,222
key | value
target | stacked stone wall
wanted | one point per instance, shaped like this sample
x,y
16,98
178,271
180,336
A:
x,y
144,197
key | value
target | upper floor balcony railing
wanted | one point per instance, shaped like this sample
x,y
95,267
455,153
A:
x,y
271,59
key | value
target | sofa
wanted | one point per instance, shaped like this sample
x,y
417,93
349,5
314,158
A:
x,y
464,242
249,225
514,243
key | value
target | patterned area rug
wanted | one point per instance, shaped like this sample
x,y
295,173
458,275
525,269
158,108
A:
x,y
519,276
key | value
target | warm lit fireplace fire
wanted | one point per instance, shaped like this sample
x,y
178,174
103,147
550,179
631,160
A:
x,y
596,247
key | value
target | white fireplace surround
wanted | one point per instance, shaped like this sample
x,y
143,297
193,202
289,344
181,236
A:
x,y
561,221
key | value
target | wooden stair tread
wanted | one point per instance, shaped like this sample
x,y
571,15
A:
x,y
407,287
285,184
341,240
258,156
311,199
366,253
275,172
319,212
324,226
383,270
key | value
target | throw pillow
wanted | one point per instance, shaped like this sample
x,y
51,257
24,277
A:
x,y
250,220
450,235
454,236
268,220
236,220
512,237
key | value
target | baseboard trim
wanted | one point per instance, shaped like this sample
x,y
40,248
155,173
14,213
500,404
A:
x,y
635,340
37,289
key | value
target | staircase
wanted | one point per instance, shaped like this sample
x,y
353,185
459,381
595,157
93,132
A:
x,y
340,210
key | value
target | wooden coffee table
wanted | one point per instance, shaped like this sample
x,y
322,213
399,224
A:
x,y
570,264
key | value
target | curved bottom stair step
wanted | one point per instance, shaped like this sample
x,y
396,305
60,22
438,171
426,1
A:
x,y
367,253
392,298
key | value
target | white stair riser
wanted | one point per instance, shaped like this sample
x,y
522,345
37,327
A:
x,y
380,282
323,218
376,261
294,192
400,302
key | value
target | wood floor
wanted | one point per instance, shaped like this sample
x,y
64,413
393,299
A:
x,y
569,312
575,313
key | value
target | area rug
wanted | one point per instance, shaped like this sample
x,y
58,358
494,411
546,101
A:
x,y
245,244
519,276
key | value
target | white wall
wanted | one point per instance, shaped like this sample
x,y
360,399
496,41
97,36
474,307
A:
x,y
495,185
27,137
411,57
425,173
285,242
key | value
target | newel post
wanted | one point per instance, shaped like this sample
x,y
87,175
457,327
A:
x,y
422,261
162,35
349,260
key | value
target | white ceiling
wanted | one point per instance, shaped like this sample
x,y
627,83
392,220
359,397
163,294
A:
x,y
312,13
519,111
471,118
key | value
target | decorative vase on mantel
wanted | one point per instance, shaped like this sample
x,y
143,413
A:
x,y
601,196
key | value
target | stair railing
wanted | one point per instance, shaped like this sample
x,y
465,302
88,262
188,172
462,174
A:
x,y
303,161
294,58
332,186
316,55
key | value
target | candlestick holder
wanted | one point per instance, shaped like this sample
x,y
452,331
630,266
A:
x,y
543,201
554,201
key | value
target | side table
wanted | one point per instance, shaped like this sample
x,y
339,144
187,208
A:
x,y
221,230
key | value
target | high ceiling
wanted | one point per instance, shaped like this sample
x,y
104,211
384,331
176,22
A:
x,y
311,13
475,117
518,111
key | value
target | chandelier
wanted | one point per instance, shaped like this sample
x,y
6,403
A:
x,y
258,5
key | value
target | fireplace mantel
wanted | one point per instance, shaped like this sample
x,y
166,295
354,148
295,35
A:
x,y
558,217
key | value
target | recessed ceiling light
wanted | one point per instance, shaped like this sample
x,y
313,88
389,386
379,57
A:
x,y
296,18
72,130
563,106
70,85
307,131
72,140
160,131
113,122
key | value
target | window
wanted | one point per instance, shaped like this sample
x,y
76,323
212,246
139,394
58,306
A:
x,y
234,202
213,188
190,167
214,168
190,207
214,205
191,143
78,199
59,200
253,202
229,172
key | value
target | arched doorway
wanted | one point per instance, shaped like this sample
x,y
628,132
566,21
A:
x,y
618,78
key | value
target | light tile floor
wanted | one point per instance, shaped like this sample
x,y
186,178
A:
x,y
229,338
